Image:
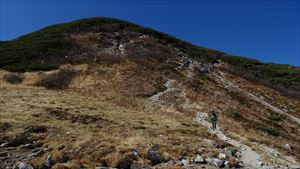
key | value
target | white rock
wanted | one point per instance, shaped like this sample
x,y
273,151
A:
x,y
227,163
276,154
288,147
222,156
217,162
24,166
4,144
185,162
260,164
199,159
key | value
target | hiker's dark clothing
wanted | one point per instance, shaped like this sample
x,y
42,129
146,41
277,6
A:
x,y
213,118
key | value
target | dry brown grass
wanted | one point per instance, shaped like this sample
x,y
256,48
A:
x,y
100,132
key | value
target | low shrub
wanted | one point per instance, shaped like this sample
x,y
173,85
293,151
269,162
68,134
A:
x,y
14,78
274,117
268,129
58,80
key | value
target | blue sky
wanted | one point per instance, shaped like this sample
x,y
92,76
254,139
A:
x,y
265,30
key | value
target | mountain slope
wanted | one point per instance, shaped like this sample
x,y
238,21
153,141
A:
x,y
105,92
46,49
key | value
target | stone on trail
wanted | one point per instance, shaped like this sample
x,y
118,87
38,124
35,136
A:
x,y
199,159
288,147
185,162
222,156
24,166
217,162
154,157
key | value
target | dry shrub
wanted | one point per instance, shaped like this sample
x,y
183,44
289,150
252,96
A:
x,y
14,78
58,80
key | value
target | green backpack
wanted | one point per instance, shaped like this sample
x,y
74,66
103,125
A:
x,y
211,117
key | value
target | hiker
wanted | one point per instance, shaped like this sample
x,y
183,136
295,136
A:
x,y
213,118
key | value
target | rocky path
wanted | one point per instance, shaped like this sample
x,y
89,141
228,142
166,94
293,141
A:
x,y
250,158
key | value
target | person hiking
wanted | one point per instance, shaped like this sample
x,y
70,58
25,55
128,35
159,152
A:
x,y
213,118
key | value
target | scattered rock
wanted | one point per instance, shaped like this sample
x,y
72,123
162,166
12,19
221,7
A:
x,y
29,146
49,162
222,156
227,164
276,154
209,160
24,166
35,150
4,144
238,154
36,153
260,164
135,153
228,153
288,147
185,162
154,157
217,162
199,159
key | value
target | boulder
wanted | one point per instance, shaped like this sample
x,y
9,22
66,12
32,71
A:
x,y
24,166
154,157
199,159
185,162
288,147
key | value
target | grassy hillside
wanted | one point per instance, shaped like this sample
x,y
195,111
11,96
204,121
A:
x,y
44,49
285,78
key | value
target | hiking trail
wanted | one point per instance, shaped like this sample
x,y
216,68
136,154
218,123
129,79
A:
x,y
248,156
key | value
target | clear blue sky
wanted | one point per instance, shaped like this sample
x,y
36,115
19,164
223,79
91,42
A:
x,y
264,30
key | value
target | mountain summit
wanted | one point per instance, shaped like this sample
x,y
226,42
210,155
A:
x,y
105,92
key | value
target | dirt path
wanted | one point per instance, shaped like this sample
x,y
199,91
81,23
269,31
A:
x,y
248,156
